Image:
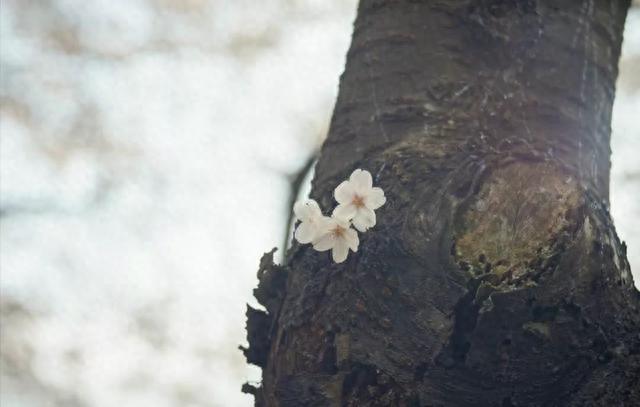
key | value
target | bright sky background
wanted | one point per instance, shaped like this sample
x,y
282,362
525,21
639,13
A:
x,y
145,152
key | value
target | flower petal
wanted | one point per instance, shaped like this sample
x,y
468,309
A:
x,y
306,210
351,237
305,232
299,208
314,209
340,251
344,192
361,180
323,224
324,242
364,219
345,212
375,198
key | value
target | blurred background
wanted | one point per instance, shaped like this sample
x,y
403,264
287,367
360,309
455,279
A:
x,y
148,148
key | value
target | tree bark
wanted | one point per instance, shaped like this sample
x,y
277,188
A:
x,y
494,276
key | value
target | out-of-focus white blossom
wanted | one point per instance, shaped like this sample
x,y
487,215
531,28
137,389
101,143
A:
x,y
337,236
358,199
309,213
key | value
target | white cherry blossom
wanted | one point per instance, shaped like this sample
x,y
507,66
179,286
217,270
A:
x,y
312,220
337,236
357,199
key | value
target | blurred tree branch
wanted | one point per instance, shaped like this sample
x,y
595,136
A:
x,y
295,187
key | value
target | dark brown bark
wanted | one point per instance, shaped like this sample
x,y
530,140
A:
x,y
494,276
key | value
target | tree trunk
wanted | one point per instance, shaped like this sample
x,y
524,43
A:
x,y
494,276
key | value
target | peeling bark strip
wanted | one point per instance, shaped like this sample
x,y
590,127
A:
x,y
494,276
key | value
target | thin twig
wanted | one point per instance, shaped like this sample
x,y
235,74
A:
x,y
295,185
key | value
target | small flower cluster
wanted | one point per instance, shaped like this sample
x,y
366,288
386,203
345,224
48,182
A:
x,y
357,200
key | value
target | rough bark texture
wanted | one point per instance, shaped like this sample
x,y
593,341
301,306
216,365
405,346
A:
x,y
494,276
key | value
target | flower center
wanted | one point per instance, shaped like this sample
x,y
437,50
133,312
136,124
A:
x,y
338,231
358,201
